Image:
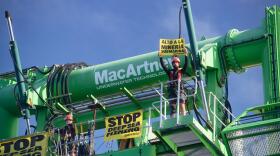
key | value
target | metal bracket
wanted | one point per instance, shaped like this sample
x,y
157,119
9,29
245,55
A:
x,y
61,107
98,105
130,96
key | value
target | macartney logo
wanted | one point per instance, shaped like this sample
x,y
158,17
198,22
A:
x,y
132,70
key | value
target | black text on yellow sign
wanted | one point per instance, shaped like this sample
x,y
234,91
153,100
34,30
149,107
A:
x,y
124,126
170,47
31,145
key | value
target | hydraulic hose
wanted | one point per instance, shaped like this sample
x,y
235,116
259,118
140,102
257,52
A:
x,y
196,111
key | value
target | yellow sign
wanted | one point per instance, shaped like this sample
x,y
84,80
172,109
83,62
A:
x,y
172,47
32,145
124,126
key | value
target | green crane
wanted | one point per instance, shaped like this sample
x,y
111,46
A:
x,y
128,84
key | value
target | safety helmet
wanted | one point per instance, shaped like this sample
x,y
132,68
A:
x,y
176,59
69,116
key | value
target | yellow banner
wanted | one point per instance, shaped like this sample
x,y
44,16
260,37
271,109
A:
x,y
170,47
124,126
32,145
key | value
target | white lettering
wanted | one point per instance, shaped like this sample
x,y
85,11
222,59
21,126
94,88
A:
x,y
121,71
106,76
154,64
112,76
130,71
146,67
101,78
139,69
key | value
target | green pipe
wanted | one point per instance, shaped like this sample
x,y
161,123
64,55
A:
x,y
140,71
244,50
105,79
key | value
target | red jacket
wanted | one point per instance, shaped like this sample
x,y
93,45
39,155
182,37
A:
x,y
173,74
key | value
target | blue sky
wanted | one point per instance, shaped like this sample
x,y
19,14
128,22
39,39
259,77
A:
x,y
94,31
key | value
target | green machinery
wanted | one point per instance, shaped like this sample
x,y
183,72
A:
x,y
139,82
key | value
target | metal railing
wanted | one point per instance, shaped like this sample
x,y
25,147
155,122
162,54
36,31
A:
x,y
164,101
213,97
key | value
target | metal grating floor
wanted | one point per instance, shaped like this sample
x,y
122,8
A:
x,y
260,141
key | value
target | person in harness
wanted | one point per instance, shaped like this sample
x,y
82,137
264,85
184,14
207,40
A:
x,y
68,136
176,74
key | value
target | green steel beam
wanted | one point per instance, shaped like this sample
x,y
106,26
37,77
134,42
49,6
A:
x,y
130,96
42,116
264,107
216,146
167,141
225,141
8,121
111,111
162,148
271,57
